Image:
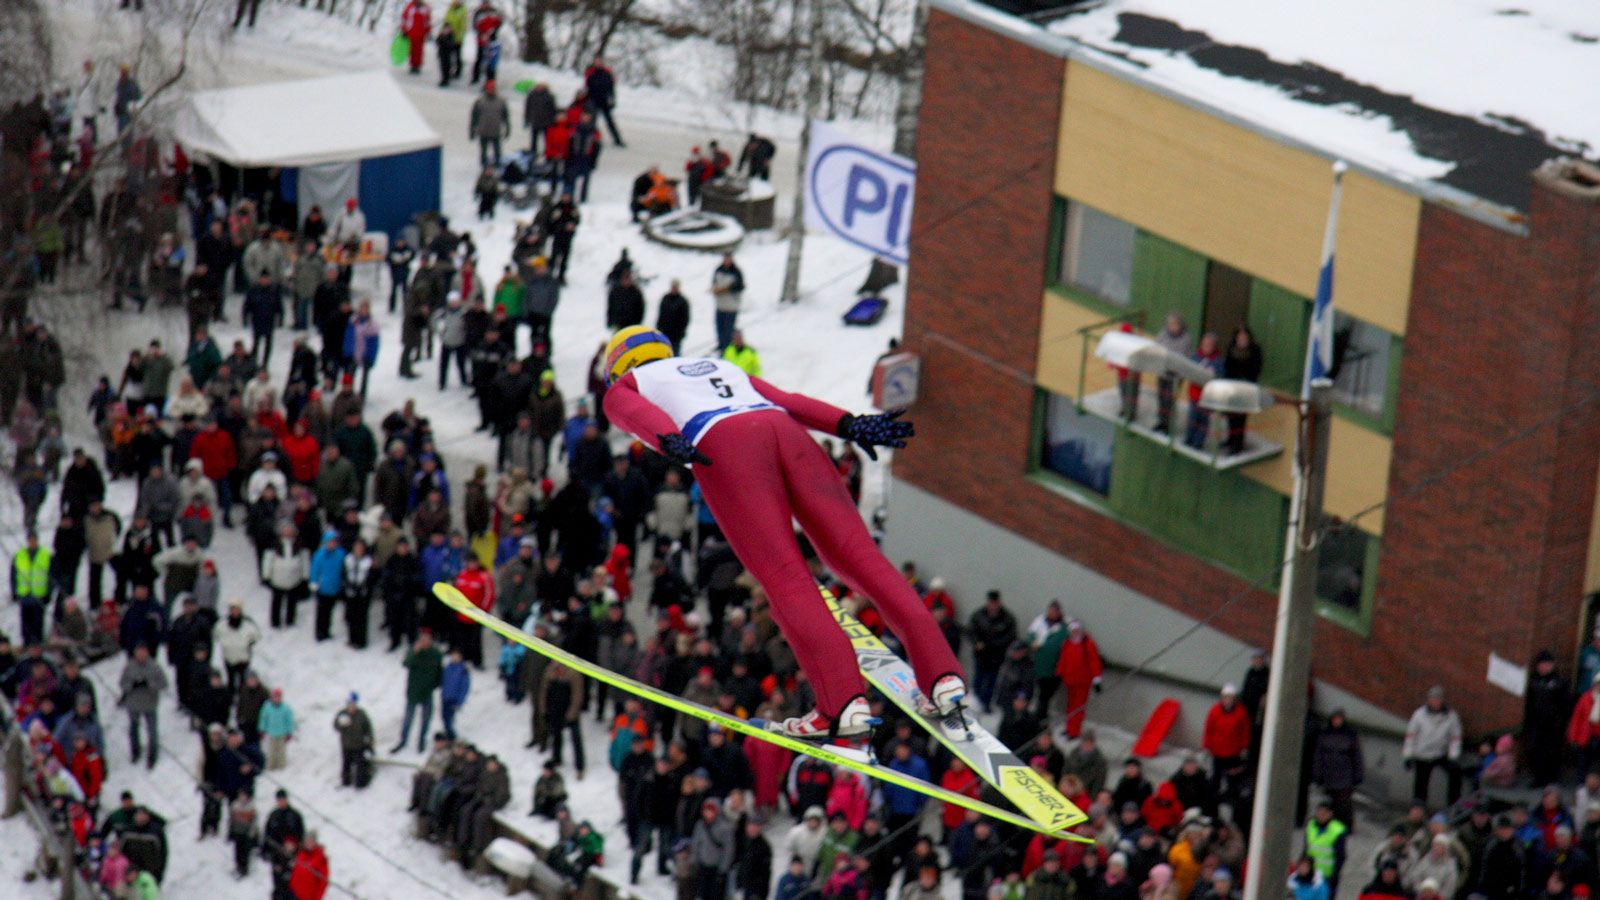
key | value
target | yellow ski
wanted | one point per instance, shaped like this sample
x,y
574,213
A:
x,y
973,744
850,759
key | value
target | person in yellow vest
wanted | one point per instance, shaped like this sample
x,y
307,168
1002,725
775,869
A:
x,y
743,355
30,585
1325,844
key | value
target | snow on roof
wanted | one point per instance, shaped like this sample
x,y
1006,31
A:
x,y
304,123
1471,93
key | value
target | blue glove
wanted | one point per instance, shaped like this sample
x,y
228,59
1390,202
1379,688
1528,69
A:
x,y
681,450
876,431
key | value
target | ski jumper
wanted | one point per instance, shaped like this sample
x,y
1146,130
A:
x,y
767,472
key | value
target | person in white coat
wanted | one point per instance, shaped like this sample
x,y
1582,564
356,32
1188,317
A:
x,y
286,568
1433,741
237,636
349,224
805,839
267,473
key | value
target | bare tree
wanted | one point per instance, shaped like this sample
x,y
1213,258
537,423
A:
x,y
157,48
535,49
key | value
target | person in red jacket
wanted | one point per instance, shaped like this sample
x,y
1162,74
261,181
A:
x,y
309,880
303,454
1162,810
939,598
89,769
218,457
416,21
961,780
478,586
1079,668
1583,729
1227,734
486,22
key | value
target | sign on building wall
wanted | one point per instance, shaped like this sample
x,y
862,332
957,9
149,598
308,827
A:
x,y
896,381
859,194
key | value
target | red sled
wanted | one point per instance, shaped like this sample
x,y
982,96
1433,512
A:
x,y
1156,728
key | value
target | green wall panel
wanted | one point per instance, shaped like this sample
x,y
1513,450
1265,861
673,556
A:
x,y
1167,277
1279,319
1221,516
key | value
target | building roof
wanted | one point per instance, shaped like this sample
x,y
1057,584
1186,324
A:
x,y
1468,94
304,123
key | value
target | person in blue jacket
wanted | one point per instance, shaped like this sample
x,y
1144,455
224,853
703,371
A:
x,y
440,562
454,686
903,804
327,580
361,343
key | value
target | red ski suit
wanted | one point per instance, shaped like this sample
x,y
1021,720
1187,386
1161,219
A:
x,y
767,472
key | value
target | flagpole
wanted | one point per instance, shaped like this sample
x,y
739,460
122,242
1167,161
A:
x,y
1273,822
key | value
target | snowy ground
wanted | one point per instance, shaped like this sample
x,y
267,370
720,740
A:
x,y
367,834
803,347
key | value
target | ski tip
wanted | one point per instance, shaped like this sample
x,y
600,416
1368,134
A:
x,y
449,595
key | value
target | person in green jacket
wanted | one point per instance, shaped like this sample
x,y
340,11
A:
x,y
145,887
1045,636
508,294
204,358
424,671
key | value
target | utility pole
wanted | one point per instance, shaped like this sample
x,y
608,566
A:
x,y
1272,827
797,220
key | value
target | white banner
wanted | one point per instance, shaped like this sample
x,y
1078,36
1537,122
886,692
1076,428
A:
x,y
859,194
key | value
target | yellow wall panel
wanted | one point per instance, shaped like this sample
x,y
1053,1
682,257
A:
x,y
1061,348
1234,195
1591,572
1358,465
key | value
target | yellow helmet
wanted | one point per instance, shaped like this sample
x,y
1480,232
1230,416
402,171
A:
x,y
634,346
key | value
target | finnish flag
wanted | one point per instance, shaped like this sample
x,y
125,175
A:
x,y
1319,349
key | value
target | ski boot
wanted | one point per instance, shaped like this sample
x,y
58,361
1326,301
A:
x,y
948,698
854,721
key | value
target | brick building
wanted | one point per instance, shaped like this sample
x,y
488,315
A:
x,y
1066,186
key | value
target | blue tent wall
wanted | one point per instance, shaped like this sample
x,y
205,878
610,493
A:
x,y
393,188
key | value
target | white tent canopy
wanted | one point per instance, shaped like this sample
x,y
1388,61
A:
x,y
339,118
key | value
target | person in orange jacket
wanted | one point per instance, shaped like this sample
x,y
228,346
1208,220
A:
x,y
1227,734
478,586
1080,669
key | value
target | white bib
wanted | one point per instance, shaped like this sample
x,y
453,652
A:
x,y
698,393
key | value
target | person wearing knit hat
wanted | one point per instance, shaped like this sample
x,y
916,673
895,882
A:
x,y
1433,741
1546,704
713,848
355,742
1226,736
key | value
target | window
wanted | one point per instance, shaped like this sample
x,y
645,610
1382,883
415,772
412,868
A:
x,y
1361,365
1342,568
1096,253
1076,446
